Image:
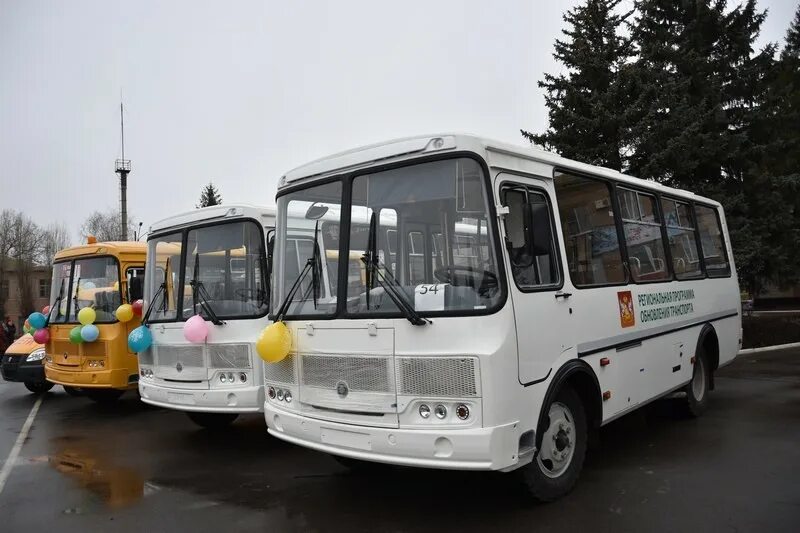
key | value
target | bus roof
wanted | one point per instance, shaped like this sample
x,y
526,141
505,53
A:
x,y
498,155
115,248
187,218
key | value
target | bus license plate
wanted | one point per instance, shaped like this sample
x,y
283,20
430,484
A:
x,y
177,397
347,439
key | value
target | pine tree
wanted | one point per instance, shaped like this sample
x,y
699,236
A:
x,y
209,196
584,105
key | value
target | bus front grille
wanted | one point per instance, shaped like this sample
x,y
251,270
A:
x,y
280,372
229,355
438,377
171,355
359,373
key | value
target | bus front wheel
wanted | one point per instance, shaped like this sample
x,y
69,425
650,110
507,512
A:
x,y
212,420
103,396
559,460
38,387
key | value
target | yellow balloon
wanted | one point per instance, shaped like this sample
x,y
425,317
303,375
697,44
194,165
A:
x,y
87,316
124,312
116,285
274,343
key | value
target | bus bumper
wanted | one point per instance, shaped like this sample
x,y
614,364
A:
x,y
98,379
489,448
230,400
15,368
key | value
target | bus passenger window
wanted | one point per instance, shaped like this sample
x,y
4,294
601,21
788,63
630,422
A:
x,y
590,234
712,242
682,242
646,255
529,238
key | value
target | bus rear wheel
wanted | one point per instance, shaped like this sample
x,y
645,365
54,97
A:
x,y
212,420
103,396
559,460
697,389
38,387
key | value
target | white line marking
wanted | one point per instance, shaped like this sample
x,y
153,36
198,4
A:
x,y
769,348
12,457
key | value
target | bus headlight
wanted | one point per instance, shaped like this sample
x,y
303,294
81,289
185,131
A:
x,y
36,355
222,378
462,411
424,411
271,392
243,377
440,411
287,396
280,395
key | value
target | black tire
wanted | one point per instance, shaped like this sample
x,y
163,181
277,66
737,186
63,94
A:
x,y
73,391
212,420
103,396
545,479
38,387
357,465
697,390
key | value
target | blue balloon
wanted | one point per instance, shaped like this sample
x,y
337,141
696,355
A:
x,y
37,320
140,339
89,333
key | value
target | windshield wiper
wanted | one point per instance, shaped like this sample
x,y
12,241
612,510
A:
x,y
387,281
161,289
56,302
75,296
198,289
313,265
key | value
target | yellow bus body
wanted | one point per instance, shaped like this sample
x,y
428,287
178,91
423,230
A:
x,y
68,363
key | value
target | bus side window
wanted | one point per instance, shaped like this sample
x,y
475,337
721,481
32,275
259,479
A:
x,y
643,237
712,242
590,232
529,238
682,241
135,281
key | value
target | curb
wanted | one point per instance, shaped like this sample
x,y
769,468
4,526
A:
x,y
769,348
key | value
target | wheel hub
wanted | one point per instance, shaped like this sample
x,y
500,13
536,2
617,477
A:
x,y
558,444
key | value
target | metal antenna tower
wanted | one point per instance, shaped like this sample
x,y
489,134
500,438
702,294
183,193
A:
x,y
123,168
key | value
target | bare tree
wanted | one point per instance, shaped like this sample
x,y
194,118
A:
x,y
55,237
20,247
105,226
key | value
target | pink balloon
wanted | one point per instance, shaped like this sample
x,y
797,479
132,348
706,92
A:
x,y
41,336
195,329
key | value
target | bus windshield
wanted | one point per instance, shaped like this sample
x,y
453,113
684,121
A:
x,y
85,282
425,226
218,269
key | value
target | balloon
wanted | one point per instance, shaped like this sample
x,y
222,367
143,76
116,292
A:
x,y
137,307
89,285
274,343
140,339
41,336
37,320
195,329
27,329
124,313
89,333
75,335
116,286
46,310
26,324
87,316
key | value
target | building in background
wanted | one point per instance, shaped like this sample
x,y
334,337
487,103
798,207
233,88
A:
x,y
15,303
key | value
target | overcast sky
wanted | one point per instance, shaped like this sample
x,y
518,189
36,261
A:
x,y
240,92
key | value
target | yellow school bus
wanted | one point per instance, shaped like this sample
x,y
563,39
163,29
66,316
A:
x,y
100,275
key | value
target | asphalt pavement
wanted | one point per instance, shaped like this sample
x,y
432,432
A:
x,y
84,467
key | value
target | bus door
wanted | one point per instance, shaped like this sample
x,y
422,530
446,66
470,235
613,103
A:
x,y
535,276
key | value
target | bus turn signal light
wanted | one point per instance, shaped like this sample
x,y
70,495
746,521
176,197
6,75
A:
x,y
607,395
605,361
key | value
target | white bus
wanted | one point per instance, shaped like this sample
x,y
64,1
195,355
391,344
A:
x,y
580,295
210,262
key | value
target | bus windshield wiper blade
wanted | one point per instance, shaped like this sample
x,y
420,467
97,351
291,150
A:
x,y
75,296
56,302
284,307
205,301
387,281
162,289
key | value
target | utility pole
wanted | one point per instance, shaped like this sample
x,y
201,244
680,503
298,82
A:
x,y
123,169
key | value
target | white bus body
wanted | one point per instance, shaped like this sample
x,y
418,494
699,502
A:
x,y
626,285
216,380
